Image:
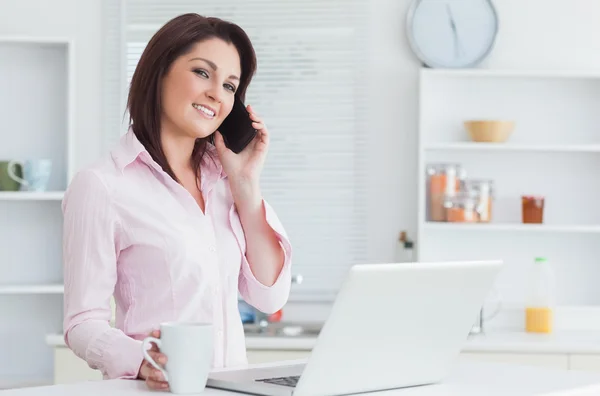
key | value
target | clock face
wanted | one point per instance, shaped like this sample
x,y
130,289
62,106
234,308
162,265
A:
x,y
452,33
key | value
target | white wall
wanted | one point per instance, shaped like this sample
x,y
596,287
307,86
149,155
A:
x,y
80,21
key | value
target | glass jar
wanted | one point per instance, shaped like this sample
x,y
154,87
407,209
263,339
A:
x,y
462,207
484,190
443,180
532,208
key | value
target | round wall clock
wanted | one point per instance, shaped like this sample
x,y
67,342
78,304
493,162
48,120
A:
x,y
452,33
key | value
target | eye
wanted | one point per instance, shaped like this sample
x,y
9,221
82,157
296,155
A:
x,y
201,72
229,87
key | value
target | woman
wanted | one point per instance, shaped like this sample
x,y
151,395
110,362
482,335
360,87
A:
x,y
171,223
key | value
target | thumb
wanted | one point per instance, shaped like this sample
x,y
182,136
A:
x,y
219,142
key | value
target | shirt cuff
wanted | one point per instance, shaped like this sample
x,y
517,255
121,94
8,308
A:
x,y
116,355
267,299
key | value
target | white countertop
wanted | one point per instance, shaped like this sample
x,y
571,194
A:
x,y
560,342
466,379
509,341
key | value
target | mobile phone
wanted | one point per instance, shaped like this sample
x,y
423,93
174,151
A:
x,y
236,128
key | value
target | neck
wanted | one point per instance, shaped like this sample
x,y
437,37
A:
x,y
178,151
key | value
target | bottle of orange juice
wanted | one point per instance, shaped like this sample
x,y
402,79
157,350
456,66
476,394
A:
x,y
539,315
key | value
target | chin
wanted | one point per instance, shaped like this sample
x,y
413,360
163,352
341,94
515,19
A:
x,y
199,133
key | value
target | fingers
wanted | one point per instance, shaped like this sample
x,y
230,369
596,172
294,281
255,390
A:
x,y
154,385
253,115
258,124
158,357
154,378
219,142
155,334
263,135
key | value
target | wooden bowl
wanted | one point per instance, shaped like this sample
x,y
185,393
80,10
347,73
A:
x,y
490,131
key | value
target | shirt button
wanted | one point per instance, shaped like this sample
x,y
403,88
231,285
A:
x,y
212,248
220,332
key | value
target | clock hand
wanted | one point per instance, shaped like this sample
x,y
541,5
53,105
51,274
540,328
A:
x,y
457,45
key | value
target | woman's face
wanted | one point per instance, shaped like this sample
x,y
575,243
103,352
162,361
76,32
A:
x,y
198,90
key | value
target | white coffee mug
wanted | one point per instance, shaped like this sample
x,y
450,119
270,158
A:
x,y
189,350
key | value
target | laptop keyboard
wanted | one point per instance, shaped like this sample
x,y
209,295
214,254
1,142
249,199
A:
x,y
290,381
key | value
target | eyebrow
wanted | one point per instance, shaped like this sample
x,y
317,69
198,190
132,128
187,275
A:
x,y
214,67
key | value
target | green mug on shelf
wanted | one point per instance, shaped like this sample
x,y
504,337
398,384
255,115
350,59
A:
x,y
7,183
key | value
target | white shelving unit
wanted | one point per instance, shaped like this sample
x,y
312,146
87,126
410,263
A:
x,y
554,151
31,196
32,289
37,112
540,148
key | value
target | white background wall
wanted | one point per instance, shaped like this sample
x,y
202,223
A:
x,y
535,34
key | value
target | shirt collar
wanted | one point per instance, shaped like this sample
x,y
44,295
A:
x,y
130,149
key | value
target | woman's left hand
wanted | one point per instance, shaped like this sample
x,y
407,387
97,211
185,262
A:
x,y
246,166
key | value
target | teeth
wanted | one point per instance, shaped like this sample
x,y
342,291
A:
x,y
204,110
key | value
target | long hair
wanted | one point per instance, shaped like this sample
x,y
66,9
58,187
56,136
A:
x,y
176,38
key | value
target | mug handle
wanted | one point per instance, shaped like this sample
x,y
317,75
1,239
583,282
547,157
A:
x,y
12,175
145,344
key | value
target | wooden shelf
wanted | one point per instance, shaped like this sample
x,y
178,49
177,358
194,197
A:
x,y
510,147
517,227
31,196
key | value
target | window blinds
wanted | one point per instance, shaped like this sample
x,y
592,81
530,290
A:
x,y
310,90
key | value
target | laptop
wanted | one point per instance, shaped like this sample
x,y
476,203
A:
x,y
391,326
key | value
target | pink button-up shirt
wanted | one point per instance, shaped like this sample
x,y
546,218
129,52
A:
x,y
132,231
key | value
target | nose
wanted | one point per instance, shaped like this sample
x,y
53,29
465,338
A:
x,y
215,94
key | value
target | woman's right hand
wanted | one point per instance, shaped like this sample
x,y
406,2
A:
x,y
153,377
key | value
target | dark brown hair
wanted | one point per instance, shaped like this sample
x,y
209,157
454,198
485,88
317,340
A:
x,y
177,37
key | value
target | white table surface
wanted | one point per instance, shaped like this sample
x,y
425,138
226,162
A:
x,y
466,379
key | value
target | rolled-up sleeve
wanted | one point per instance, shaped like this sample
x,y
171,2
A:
x,y
90,249
268,299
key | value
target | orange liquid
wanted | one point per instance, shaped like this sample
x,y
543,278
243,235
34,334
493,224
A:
x,y
538,320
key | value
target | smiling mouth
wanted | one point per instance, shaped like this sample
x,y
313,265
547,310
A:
x,y
204,110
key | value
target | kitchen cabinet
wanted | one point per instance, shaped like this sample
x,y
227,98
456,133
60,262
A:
x,y
584,362
69,368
